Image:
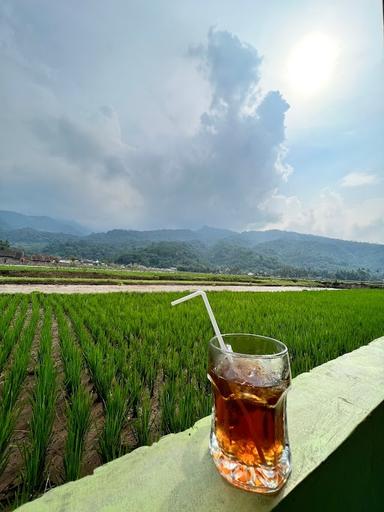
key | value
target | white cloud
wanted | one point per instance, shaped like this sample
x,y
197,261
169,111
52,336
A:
x,y
217,174
331,214
178,144
234,161
358,179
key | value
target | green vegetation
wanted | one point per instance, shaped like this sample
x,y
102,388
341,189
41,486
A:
x,y
39,274
273,253
79,401
79,421
14,377
8,337
4,244
24,273
297,256
143,427
43,413
102,367
140,367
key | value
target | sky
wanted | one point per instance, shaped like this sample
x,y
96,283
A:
x,y
148,114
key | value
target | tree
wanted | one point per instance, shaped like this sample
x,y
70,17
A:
x,y
4,244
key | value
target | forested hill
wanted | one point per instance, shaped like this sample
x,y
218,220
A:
x,y
269,252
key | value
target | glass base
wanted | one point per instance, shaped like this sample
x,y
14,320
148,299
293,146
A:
x,y
260,479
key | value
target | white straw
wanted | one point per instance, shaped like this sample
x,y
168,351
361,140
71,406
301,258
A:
x,y
210,313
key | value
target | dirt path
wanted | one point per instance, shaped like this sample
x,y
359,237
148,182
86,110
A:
x,y
145,288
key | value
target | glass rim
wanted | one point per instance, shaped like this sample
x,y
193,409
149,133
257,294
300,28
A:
x,y
283,352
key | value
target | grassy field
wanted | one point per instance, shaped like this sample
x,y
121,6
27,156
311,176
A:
x,y
45,274
42,274
86,378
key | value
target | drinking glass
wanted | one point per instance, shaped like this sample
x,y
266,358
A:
x,y
249,438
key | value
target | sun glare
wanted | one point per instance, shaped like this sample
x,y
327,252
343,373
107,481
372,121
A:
x,y
311,63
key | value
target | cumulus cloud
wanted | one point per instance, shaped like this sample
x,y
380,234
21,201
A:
x,y
358,179
330,214
231,66
234,161
218,175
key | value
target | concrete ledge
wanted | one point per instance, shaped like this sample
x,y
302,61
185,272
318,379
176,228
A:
x,y
335,421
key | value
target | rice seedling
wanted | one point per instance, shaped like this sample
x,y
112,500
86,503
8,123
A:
x,y
101,369
13,381
79,417
142,423
114,396
110,445
8,313
70,354
11,335
79,401
7,424
169,412
43,412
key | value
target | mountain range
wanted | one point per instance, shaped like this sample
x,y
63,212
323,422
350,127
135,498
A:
x,y
272,252
13,221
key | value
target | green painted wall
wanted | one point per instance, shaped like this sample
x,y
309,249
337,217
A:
x,y
351,479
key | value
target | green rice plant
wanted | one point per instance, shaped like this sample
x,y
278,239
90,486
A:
x,y
142,424
43,413
119,358
110,445
79,418
7,425
79,401
168,400
8,313
134,385
179,405
73,368
70,354
102,370
13,381
12,333
114,396
193,402
101,367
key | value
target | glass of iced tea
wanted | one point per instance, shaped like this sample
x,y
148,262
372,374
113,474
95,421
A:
x,y
249,439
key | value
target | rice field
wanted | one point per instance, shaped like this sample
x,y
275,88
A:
x,y
87,378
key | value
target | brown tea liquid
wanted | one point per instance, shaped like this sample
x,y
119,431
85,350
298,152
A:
x,y
249,419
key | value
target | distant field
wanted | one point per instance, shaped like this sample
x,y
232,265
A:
x,y
35,274
86,378
107,274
